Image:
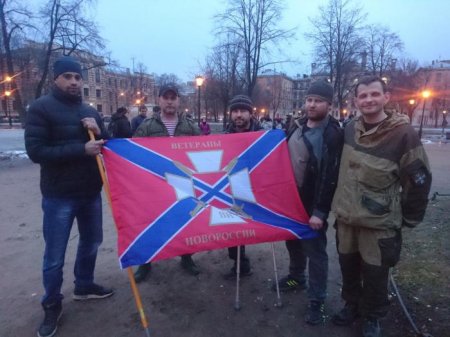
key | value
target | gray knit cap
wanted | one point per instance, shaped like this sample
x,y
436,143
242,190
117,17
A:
x,y
241,102
321,89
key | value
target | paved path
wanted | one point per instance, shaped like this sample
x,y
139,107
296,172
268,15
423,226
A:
x,y
11,140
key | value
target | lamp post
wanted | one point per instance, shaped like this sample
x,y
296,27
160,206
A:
x,y
8,113
425,95
412,103
444,122
199,81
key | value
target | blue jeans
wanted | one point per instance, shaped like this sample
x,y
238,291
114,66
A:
x,y
59,214
312,252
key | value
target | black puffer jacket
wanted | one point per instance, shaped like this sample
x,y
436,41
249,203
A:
x,y
55,139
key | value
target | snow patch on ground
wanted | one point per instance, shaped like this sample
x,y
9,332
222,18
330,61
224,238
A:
x,y
13,155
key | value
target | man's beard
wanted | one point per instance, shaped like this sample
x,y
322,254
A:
x,y
317,117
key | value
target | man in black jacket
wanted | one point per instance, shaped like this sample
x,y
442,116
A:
x,y
315,146
120,127
56,137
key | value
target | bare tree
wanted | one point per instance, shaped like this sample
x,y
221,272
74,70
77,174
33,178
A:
x,y
382,46
223,77
164,79
68,30
404,85
253,24
14,18
337,43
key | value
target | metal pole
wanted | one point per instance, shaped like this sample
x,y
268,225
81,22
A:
x,y
421,120
198,105
237,302
8,112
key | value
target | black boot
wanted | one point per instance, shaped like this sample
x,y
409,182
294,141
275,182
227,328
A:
x,y
347,315
246,269
371,327
189,265
142,272
52,315
316,313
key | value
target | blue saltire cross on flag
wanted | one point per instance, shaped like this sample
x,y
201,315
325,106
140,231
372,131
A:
x,y
178,195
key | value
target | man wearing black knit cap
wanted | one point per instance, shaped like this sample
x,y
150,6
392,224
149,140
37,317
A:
x,y
56,137
242,120
315,145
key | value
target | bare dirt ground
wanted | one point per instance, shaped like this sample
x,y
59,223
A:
x,y
177,304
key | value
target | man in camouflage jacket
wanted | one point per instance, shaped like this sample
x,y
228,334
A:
x,y
383,185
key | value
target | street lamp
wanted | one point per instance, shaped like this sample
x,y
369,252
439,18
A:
x,y
199,81
412,103
425,95
444,121
8,114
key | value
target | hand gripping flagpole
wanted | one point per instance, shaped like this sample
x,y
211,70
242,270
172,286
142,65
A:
x,y
137,296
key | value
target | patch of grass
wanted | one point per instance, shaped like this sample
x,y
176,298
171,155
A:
x,y
423,274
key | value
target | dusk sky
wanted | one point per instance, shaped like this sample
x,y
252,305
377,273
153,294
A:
x,y
175,36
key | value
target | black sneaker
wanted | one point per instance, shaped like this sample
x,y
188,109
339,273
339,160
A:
x,y
288,283
49,326
347,315
142,272
189,265
315,313
94,291
371,327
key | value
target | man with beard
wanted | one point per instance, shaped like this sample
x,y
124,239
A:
x,y
56,137
315,145
136,121
167,123
242,120
384,183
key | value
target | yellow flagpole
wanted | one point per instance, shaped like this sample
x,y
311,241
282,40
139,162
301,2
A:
x,y
136,294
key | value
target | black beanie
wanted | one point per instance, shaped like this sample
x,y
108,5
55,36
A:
x,y
66,64
321,89
241,102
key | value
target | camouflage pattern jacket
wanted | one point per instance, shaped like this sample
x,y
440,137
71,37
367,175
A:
x,y
154,127
384,176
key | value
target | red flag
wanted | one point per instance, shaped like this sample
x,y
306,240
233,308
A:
x,y
179,195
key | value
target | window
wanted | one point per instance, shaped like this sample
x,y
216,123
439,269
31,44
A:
x,y
98,93
86,92
97,75
85,74
99,107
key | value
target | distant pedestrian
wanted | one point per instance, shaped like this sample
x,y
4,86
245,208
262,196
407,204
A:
x,y
348,120
136,121
205,129
56,138
120,127
266,122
